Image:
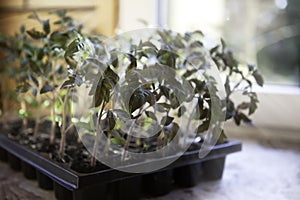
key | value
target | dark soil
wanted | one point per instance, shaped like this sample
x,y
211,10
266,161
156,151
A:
x,y
76,156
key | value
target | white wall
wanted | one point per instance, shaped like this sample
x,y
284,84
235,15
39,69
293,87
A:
x,y
131,11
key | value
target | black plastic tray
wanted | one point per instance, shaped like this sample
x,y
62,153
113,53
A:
x,y
73,182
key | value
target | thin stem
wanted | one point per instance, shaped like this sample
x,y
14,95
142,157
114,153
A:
x,y
37,120
53,124
63,126
126,145
69,128
36,127
98,132
107,143
24,119
160,139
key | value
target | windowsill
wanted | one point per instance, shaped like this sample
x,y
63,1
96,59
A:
x,y
271,136
277,89
278,107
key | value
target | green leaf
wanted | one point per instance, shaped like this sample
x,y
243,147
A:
x,y
148,44
111,118
249,82
199,85
163,36
46,26
46,88
133,62
148,53
253,105
174,130
22,28
189,73
243,105
230,109
178,42
245,119
137,100
258,77
111,77
227,86
34,91
167,58
237,118
196,44
223,44
35,67
150,98
58,39
37,35
198,32
160,108
100,92
165,91
114,60
174,101
200,104
250,67
109,122
117,138
40,53
215,49
69,83
229,60
166,120
164,106
203,127
151,115
188,35
204,114
23,88
73,48
181,111
33,80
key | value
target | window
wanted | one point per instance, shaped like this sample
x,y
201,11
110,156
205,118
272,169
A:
x,y
264,32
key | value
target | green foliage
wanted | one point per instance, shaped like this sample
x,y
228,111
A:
x,y
160,79
37,59
165,96
229,65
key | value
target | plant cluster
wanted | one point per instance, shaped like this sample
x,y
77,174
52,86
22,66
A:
x,y
39,70
163,73
148,88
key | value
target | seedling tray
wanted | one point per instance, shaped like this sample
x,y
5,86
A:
x,y
69,184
